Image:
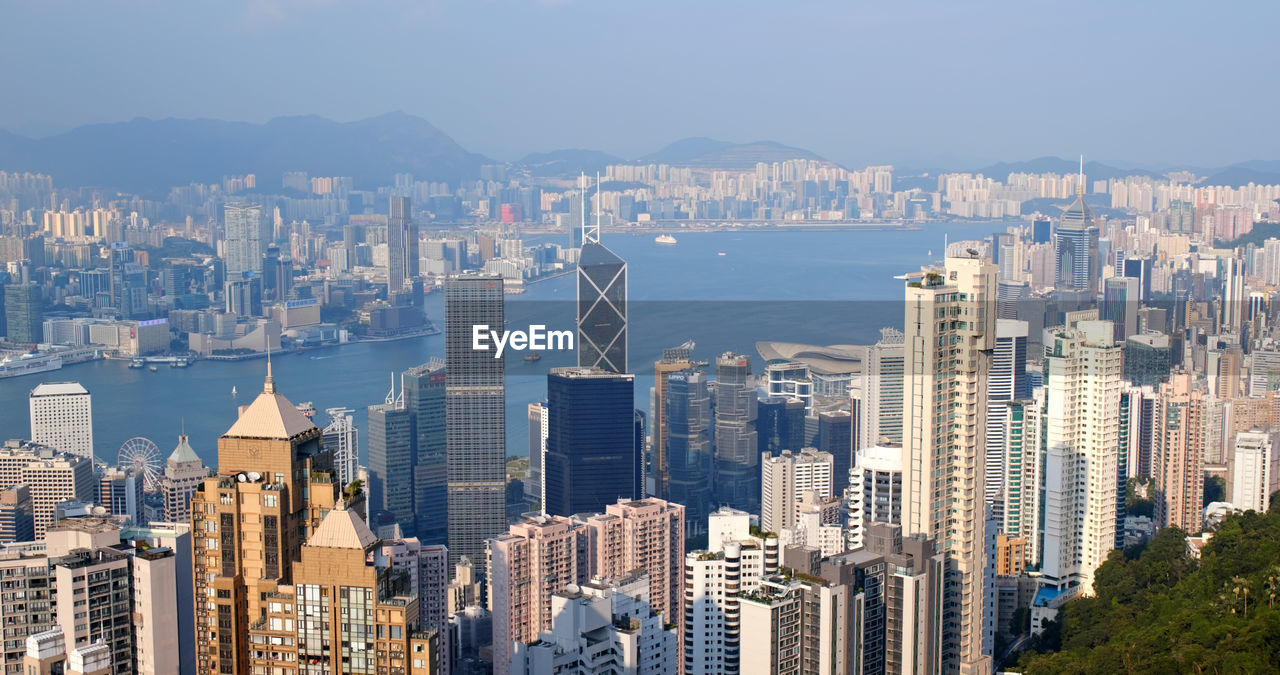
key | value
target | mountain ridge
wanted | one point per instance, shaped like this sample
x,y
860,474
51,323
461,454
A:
x,y
151,155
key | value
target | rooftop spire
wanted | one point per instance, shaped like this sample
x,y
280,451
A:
x,y
1080,184
269,387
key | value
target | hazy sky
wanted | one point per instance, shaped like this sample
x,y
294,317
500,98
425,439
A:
x,y
857,81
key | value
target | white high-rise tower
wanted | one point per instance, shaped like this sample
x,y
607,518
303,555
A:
x,y
949,334
62,417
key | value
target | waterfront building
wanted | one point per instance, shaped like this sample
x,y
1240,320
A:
x,y
62,417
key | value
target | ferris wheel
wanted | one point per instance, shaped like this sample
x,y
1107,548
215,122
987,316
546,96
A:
x,y
143,456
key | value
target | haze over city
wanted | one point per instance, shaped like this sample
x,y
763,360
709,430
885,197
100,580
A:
x,y
919,84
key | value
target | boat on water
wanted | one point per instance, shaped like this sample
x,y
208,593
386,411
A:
x,y
233,391
720,253
137,363
26,364
532,356
179,363
152,368
665,239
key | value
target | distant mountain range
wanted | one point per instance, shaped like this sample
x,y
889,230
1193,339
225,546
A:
x,y
688,152
1093,170
150,156
1261,172
710,153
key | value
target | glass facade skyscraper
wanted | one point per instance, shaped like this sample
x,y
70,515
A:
x,y
602,309
736,452
391,465
688,446
423,389
591,440
475,417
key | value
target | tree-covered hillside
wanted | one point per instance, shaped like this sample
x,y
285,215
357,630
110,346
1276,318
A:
x,y
1157,610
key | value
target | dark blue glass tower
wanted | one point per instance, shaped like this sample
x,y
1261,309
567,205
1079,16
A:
x,y
591,458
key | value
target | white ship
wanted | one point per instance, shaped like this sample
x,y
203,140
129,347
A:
x,y
26,364
665,239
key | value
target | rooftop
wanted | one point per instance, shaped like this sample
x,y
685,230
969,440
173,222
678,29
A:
x,y
342,528
58,389
271,415
184,453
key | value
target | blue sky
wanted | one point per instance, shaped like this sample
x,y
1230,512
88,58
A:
x,y
860,82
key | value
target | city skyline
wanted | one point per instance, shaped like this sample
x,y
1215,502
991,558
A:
x,y
853,357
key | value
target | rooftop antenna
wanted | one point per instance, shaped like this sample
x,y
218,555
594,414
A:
x,y
582,201
270,386
391,395
593,234
1080,185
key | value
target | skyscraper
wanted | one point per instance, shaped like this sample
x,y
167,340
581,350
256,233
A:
x,y
673,360
348,610
880,391
1007,381
785,478
1251,471
24,313
875,491
737,460
62,417
424,398
835,437
533,560
602,308
245,241
687,415
590,460
732,564
17,522
475,417
1178,454
538,430
950,332
183,475
52,475
779,424
402,244
342,439
645,535
274,480
391,464
1120,306
1076,246
1080,426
